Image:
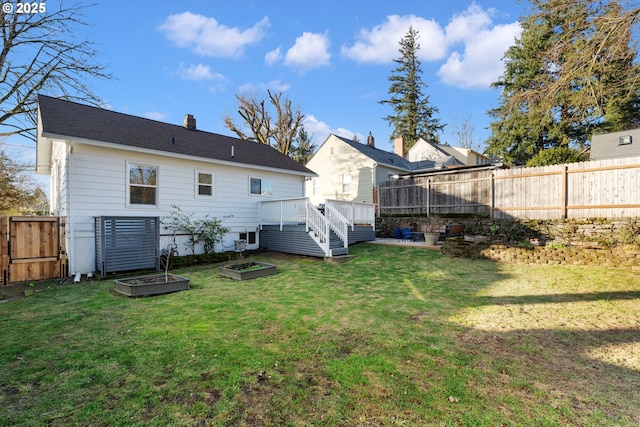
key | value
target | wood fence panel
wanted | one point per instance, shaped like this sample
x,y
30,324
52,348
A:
x,y
606,188
35,248
4,250
532,193
460,194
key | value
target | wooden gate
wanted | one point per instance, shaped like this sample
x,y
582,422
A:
x,y
32,248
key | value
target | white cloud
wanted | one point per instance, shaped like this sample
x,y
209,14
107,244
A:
x,y
254,88
207,37
464,26
273,56
481,62
381,44
471,45
198,72
321,131
155,115
310,51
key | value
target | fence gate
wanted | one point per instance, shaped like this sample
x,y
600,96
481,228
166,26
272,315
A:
x,y
32,248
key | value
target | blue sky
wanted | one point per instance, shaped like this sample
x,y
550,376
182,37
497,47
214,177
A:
x,y
330,58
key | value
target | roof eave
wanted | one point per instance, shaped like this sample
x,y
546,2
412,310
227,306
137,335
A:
x,y
116,146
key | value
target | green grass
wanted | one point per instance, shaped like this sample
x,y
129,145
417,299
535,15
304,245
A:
x,y
396,337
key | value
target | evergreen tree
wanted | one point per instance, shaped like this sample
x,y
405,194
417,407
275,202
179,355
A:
x,y
571,73
412,114
303,148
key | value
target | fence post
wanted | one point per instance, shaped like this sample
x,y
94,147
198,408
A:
x,y
492,197
4,251
428,197
564,195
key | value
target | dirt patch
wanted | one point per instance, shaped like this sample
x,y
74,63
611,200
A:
x,y
27,289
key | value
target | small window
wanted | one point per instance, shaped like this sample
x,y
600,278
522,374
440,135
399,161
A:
x,y
261,186
249,237
205,184
346,184
143,184
624,140
316,186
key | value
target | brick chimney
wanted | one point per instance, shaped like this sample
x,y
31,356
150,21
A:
x,y
398,146
371,140
189,122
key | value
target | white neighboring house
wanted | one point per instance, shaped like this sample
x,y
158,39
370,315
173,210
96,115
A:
x,y
104,163
349,170
423,150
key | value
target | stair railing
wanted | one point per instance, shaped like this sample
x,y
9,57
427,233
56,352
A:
x,y
338,223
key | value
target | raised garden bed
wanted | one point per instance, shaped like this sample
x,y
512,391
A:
x,y
151,285
248,270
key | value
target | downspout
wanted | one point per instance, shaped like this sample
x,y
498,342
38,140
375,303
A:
x,y
70,220
373,179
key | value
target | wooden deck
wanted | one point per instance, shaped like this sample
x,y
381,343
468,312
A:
x,y
295,226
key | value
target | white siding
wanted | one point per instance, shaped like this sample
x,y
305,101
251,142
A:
x,y
333,160
59,177
98,187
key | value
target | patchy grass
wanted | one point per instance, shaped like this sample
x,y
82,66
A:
x,y
398,336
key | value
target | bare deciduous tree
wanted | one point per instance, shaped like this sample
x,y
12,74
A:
x,y
463,128
281,132
41,53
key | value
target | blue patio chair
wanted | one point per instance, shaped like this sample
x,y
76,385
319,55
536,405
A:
x,y
407,234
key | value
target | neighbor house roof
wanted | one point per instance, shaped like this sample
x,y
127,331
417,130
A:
x,y
379,156
65,119
393,160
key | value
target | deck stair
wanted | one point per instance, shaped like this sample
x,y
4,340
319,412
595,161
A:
x,y
328,229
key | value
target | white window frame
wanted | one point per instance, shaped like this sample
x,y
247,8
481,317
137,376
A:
x,y
346,183
156,187
197,183
262,187
250,237
315,182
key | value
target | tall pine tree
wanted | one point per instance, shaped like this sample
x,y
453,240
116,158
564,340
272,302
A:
x,y
571,73
412,115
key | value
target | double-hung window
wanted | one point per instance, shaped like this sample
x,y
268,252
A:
x,y
260,186
346,184
143,184
204,184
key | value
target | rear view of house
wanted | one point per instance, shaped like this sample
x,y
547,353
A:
x,y
107,166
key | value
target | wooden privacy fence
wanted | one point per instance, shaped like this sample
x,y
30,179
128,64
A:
x,y
604,188
32,248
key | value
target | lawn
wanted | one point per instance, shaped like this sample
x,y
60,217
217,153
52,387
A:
x,y
396,337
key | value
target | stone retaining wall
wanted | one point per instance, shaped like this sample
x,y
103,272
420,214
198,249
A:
x,y
618,257
590,232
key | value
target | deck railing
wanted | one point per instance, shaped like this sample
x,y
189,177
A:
x,y
338,216
338,223
355,212
297,211
285,211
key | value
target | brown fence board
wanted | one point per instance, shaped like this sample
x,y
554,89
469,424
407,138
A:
x,y
605,188
32,248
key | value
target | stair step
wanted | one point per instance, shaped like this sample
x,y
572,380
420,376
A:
x,y
339,251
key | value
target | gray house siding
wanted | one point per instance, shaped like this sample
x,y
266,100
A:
x,y
361,233
293,239
608,145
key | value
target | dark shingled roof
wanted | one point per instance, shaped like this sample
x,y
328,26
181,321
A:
x,y
379,156
66,118
392,159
